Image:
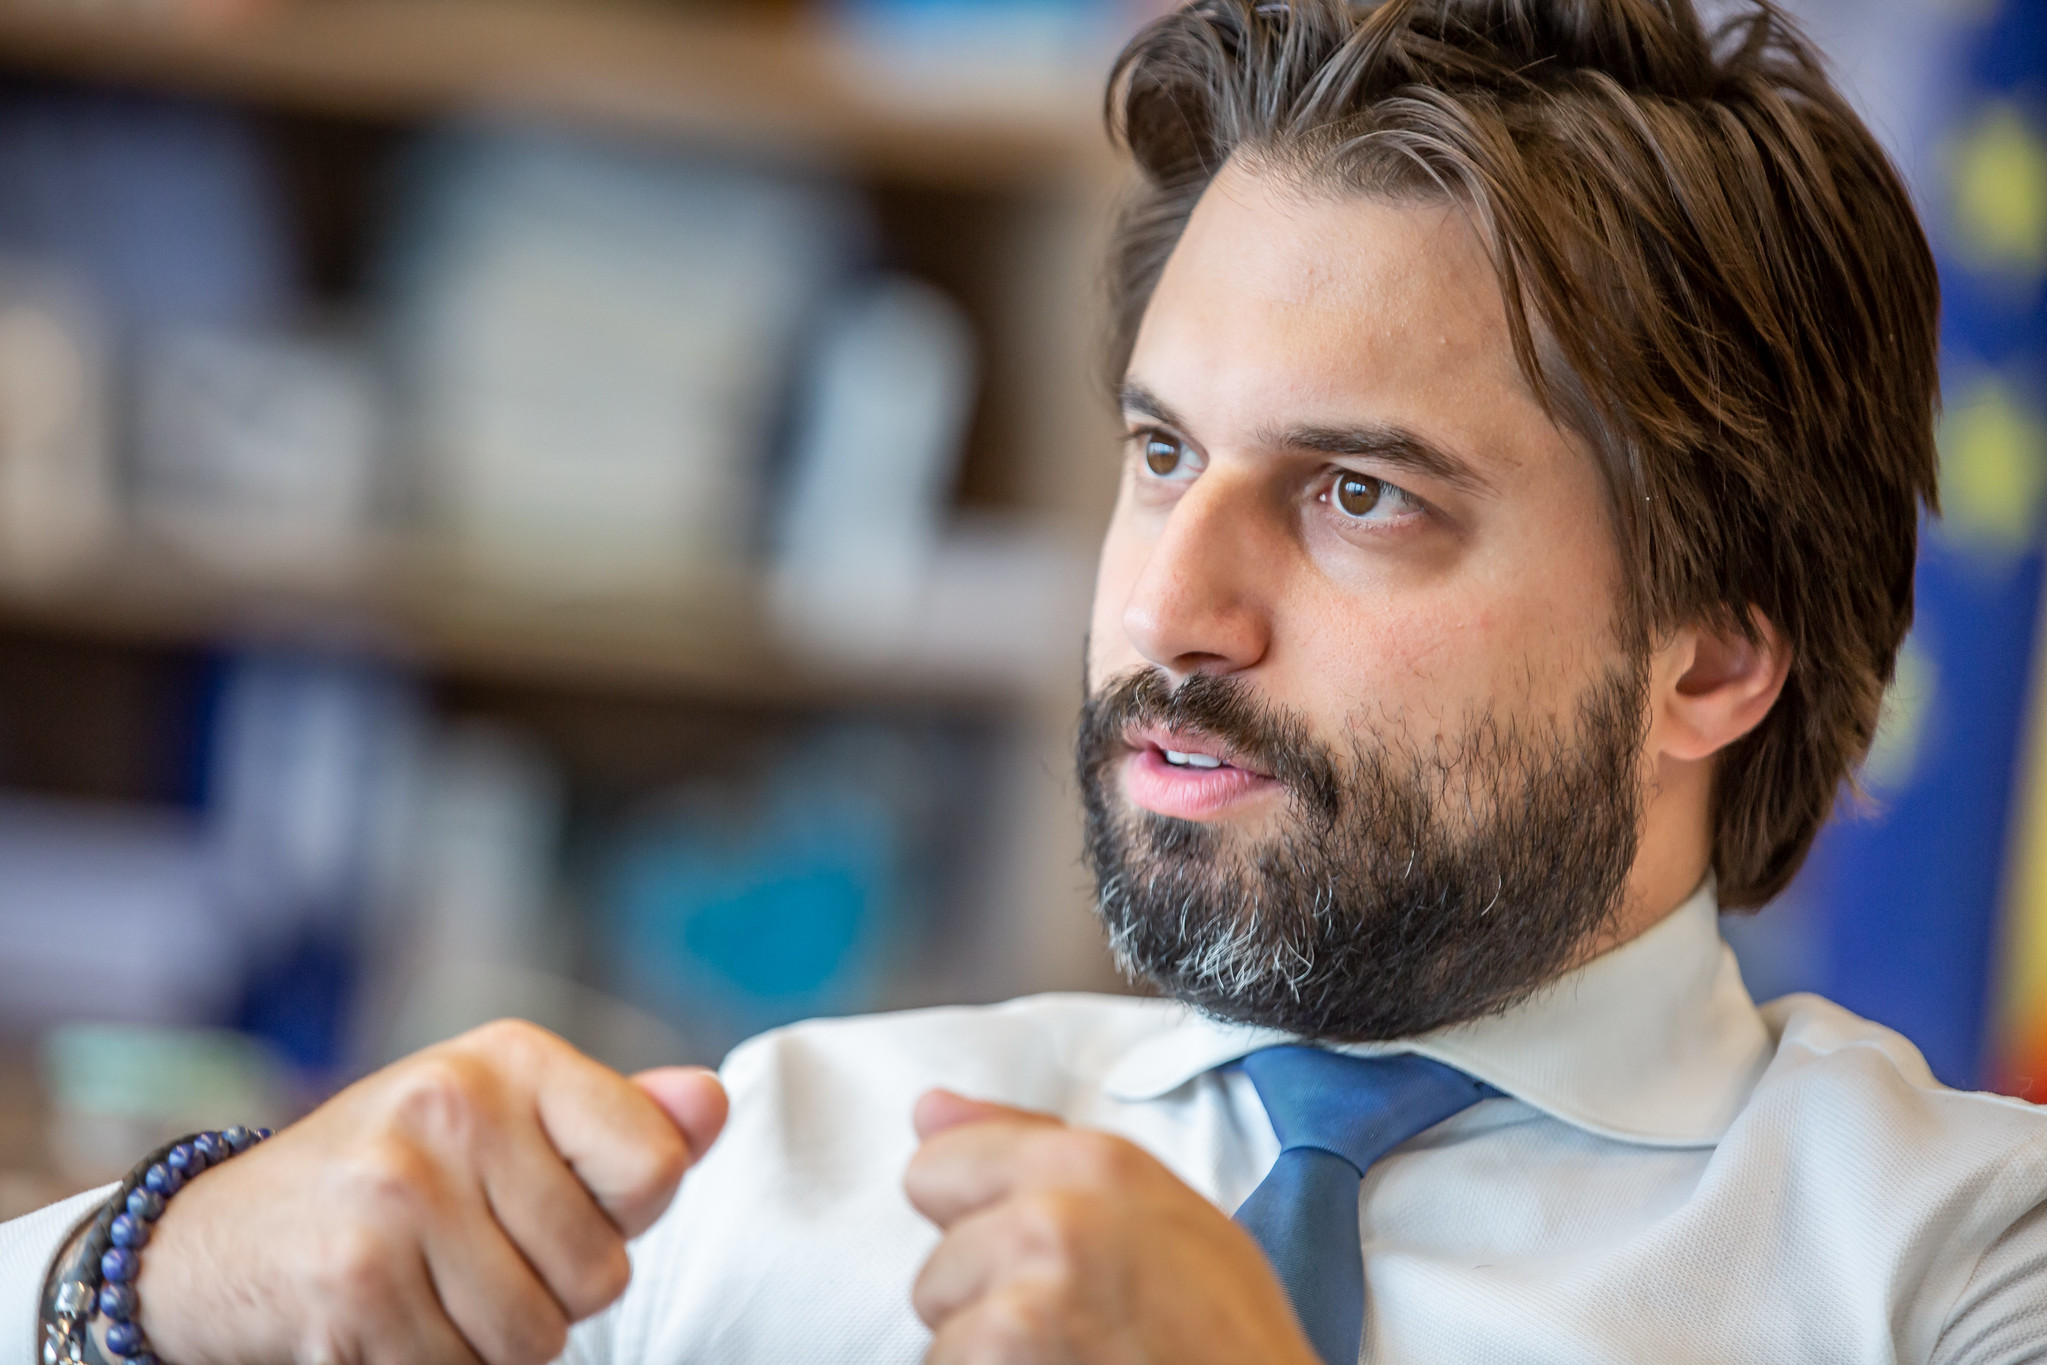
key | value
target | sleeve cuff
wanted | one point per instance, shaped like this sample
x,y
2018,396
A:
x,y
27,1246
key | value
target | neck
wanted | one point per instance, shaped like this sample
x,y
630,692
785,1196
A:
x,y
1675,853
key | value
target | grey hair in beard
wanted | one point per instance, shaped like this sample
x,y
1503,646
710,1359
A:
x,y
1410,886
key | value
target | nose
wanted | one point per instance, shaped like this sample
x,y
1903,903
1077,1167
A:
x,y
1200,604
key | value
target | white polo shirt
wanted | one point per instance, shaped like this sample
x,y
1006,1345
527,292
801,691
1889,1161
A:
x,y
1675,1177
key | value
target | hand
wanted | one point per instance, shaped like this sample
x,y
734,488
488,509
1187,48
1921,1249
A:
x,y
1069,1247
462,1206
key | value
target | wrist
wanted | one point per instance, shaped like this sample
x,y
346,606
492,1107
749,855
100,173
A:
x,y
91,1304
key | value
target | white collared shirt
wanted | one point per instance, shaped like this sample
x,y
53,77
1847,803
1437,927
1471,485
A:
x,y
1674,1177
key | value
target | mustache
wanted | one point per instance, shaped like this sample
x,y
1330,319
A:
x,y
1226,709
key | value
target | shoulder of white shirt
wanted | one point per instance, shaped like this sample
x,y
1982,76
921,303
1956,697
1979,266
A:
x,y
1656,1042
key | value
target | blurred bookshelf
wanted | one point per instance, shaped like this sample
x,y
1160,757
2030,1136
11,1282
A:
x,y
772,83
705,641
1023,161
687,784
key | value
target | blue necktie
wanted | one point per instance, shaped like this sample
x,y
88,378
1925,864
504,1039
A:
x,y
1335,1115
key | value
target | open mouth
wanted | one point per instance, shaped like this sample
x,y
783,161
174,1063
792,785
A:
x,y
1191,749
1189,776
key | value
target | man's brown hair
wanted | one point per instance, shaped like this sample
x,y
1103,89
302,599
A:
x,y
1712,273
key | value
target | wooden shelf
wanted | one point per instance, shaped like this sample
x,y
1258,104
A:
x,y
780,89
783,89
709,643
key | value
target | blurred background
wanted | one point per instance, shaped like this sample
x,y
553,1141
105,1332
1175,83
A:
x,y
584,509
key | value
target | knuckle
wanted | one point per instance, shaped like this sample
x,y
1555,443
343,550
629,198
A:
x,y
440,1094
508,1325
1099,1158
352,1271
384,1181
655,1167
597,1282
1012,1327
1053,1232
325,1342
520,1343
539,1340
517,1042
939,1293
925,1300
924,1181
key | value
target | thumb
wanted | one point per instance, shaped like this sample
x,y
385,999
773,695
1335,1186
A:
x,y
693,1100
938,1110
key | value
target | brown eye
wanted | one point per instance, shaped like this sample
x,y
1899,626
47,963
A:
x,y
1161,456
1358,494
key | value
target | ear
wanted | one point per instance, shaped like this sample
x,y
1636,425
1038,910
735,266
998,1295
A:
x,y
1711,685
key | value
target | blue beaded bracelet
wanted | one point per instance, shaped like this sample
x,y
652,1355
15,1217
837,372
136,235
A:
x,y
100,1281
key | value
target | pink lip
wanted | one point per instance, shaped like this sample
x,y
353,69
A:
x,y
1187,793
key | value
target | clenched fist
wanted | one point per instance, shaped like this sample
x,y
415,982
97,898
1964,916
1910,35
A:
x,y
1069,1247
461,1207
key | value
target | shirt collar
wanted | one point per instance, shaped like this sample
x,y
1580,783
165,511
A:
x,y
1654,1042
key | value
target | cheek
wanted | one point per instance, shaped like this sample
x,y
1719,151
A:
x,y
1549,612
1427,661
1399,661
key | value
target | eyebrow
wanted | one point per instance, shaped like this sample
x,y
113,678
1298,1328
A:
x,y
1387,442
1138,401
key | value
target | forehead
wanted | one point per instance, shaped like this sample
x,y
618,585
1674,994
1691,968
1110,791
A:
x,y
1338,306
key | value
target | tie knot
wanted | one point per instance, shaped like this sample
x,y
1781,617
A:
x,y
1358,1108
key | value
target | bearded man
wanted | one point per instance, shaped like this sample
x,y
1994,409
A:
x,y
1529,418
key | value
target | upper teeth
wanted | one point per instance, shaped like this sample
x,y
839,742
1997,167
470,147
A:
x,y
1174,756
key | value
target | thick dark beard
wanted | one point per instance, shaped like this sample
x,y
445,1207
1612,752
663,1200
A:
x,y
1409,889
